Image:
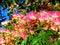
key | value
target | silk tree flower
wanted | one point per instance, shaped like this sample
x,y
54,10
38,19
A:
x,y
59,28
2,40
14,16
21,16
4,30
29,27
56,21
51,39
22,21
46,27
18,17
14,33
53,26
43,16
31,16
21,28
49,14
32,31
54,14
20,25
7,39
23,35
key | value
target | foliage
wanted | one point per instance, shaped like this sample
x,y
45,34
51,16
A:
x,y
32,5
41,38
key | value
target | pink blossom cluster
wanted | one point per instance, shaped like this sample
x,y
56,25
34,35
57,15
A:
x,y
45,19
10,35
25,24
50,19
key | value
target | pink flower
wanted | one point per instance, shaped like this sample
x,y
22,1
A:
x,y
32,31
21,28
31,16
54,14
51,39
4,30
56,21
59,27
14,33
23,35
53,26
22,16
14,15
2,40
18,15
29,27
7,39
43,16
46,27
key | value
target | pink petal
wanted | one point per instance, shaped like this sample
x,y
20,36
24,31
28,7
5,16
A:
x,y
23,35
2,40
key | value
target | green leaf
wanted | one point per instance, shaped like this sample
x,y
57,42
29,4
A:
x,y
24,42
57,8
9,26
17,41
